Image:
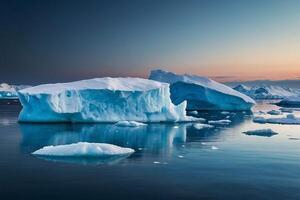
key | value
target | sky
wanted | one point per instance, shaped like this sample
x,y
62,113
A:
x,y
46,41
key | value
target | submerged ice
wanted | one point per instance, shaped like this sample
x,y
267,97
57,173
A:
x,y
101,100
202,93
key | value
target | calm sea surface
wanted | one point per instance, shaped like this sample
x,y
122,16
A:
x,y
172,161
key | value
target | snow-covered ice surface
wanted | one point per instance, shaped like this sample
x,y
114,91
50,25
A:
x,y
290,102
129,124
267,91
83,149
101,100
202,93
220,122
202,126
289,119
261,132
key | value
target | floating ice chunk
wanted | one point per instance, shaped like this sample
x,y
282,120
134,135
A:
x,y
101,100
214,148
220,122
129,124
192,112
202,126
225,112
202,93
180,156
261,132
293,138
286,110
260,112
289,119
274,112
83,149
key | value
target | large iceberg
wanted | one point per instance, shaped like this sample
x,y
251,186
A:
x,y
101,100
267,91
202,93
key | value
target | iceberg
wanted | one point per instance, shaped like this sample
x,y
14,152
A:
x,y
83,149
200,126
289,119
10,91
101,100
202,93
7,91
261,132
267,91
220,122
274,112
290,102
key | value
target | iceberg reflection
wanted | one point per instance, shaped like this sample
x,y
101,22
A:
x,y
153,137
158,140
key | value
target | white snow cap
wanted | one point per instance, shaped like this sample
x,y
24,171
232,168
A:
x,y
108,83
83,149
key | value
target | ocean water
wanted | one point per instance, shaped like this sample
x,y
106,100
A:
x,y
172,161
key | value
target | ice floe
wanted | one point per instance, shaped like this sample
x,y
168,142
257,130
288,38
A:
x,y
261,132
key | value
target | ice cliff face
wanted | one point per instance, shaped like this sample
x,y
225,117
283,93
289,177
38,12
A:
x,y
100,100
202,93
267,92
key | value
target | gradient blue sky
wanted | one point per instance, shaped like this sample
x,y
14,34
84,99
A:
x,y
49,41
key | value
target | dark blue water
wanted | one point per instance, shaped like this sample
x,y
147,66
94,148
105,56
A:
x,y
172,161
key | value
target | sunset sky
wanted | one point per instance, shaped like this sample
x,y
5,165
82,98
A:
x,y
50,41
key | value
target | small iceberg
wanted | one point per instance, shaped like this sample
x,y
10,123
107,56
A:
x,y
129,124
192,112
289,119
261,132
290,102
220,122
225,113
83,149
214,148
286,110
274,112
200,126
